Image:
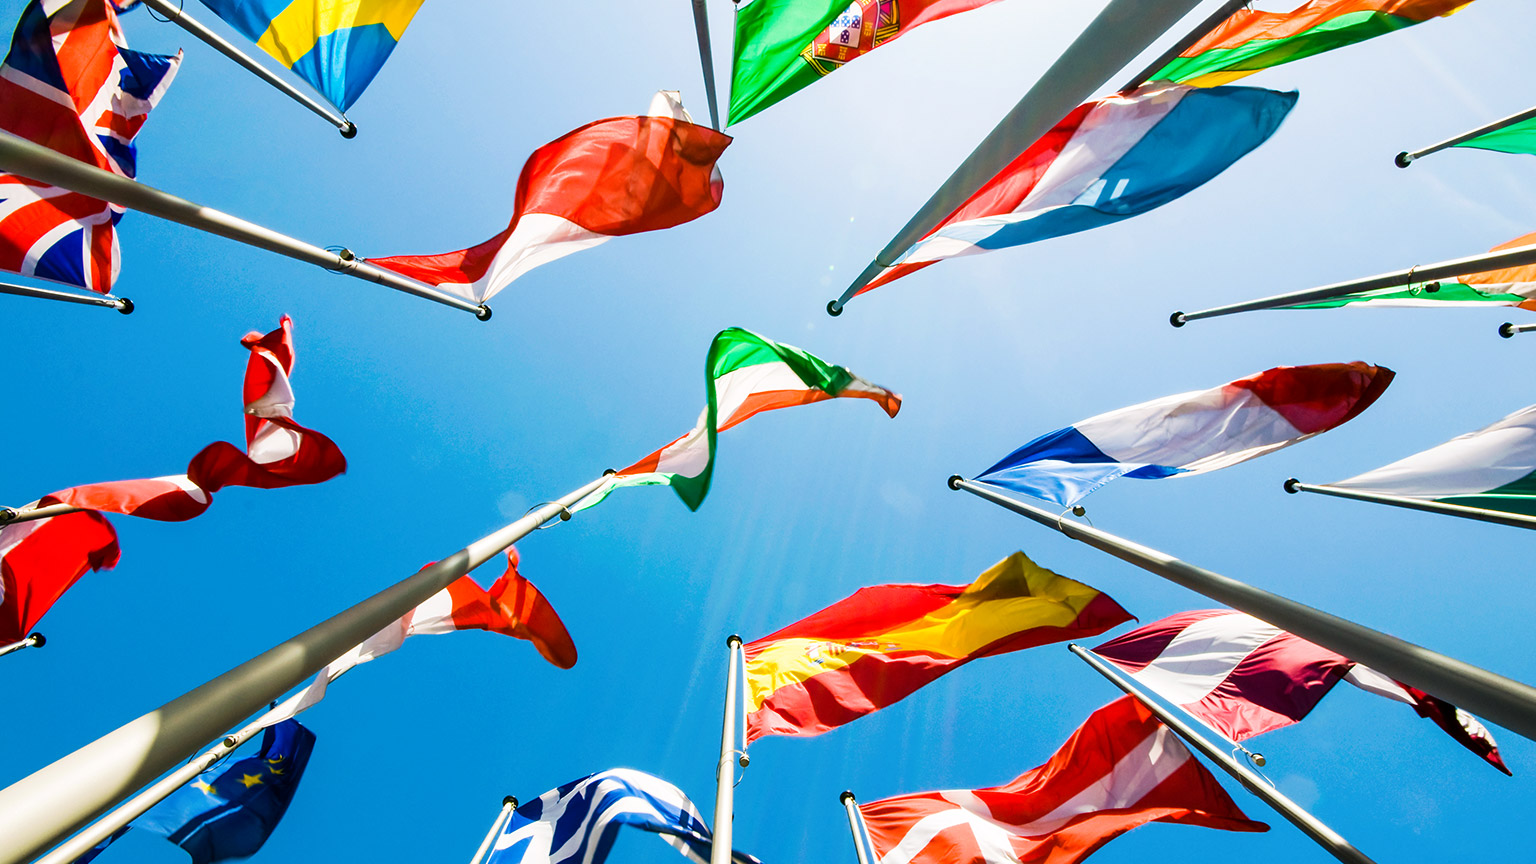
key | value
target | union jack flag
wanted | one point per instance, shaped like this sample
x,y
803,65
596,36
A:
x,y
71,84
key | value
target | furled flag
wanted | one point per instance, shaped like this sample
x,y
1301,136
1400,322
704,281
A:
x,y
1108,160
578,822
784,46
744,375
879,645
1493,468
1191,433
335,45
41,559
1251,40
613,177
1514,138
71,84
229,811
1243,677
1512,286
1122,769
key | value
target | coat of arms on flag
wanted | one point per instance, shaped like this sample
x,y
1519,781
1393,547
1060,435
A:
x,y
861,28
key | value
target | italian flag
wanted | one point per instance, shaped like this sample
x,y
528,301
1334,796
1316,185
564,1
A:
x,y
745,374
1513,286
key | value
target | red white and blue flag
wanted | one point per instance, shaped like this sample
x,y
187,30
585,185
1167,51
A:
x,y
70,84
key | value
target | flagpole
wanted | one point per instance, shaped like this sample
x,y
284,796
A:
x,y
1507,329
706,59
1509,703
1123,30
1201,30
508,804
1406,158
1516,257
186,22
41,809
1514,520
1310,825
35,640
22,157
12,515
121,304
857,826
725,769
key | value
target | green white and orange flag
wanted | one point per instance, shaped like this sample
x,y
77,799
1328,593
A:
x,y
1252,40
884,642
1512,286
745,374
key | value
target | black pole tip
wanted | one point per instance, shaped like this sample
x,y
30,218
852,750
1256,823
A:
x,y
483,312
1402,160
834,308
1292,485
510,799
1258,759
1506,330
231,742
1177,319
349,131
744,760
38,640
845,797
125,306
346,254
954,481
1079,510
7,514
732,641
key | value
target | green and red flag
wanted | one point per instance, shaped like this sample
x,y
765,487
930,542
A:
x,y
1512,286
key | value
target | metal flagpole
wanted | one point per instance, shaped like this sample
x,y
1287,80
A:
x,y
857,826
706,59
1515,257
1201,30
23,157
1507,329
121,304
1124,29
1514,520
41,809
1508,703
725,769
1406,158
508,804
35,640
1324,836
10,515
180,18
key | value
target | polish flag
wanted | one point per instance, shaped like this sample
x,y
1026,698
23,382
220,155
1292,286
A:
x,y
623,175
1122,769
41,559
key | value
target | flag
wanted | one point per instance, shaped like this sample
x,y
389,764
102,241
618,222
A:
x,y
335,45
744,375
41,559
1251,40
784,46
1514,138
71,84
1512,286
1122,769
623,175
1108,160
879,645
1191,433
1243,677
578,822
1493,468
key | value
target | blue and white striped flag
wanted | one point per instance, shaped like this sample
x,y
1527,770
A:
x,y
577,822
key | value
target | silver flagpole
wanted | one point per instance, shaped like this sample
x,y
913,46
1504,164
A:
x,y
1204,27
1516,257
856,825
1509,703
1407,157
27,159
10,515
725,769
706,59
1123,30
1514,520
121,304
1324,836
40,810
35,640
1507,329
181,19
508,804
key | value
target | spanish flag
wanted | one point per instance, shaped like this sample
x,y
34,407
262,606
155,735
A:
x,y
884,642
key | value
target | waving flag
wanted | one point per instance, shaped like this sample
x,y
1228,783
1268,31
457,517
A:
x,y
1251,40
578,822
619,176
1514,138
1121,770
1191,433
884,642
71,84
783,46
335,45
1109,160
1244,677
41,559
745,375
1512,286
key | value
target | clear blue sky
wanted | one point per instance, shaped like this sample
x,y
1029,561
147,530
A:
x,y
452,427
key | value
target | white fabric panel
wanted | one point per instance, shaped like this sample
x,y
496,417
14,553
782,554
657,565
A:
x,y
1178,430
1468,464
1203,655
734,387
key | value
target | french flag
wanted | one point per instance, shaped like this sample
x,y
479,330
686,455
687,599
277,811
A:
x,y
1109,160
1191,433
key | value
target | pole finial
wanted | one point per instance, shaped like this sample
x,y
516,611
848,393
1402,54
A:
x,y
1403,159
1177,319
954,481
8,514
483,312
125,306
1507,330
732,641
510,799
1293,485
349,131
37,640
834,308
846,797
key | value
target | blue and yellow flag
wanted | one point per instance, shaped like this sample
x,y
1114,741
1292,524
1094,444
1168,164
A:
x,y
336,45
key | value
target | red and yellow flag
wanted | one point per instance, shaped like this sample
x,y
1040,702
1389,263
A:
x,y
874,648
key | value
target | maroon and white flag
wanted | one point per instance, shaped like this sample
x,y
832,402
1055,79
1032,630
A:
x,y
1243,677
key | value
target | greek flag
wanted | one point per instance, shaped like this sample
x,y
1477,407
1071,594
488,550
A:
x,y
578,821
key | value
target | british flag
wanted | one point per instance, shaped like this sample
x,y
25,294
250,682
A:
x,y
71,84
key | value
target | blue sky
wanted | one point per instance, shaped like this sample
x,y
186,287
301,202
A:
x,y
453,427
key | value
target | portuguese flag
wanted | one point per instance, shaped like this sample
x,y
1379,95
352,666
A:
x,y
1512,286
745,374
879,645
783,46
1251,40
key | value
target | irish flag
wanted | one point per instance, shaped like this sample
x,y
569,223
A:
x,y
1513,286
1514,138
745,374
